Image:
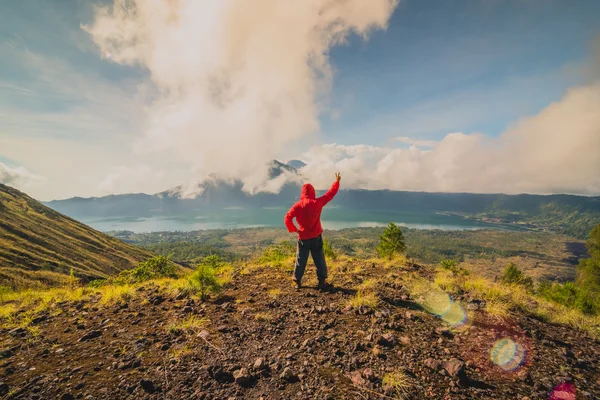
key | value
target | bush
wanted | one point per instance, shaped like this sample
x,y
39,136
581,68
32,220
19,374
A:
x,y
328,250
391,242
567,294
153,268
277,253
513,276
452,266
204,280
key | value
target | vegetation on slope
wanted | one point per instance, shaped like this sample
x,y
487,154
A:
x,y
41,247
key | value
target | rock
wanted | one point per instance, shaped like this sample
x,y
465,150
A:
x,y
288,375
5,353
17,332
433,363
204,334
377,352
90,335
67,396
444,332
157,300
362,310
405,340
456,368
4,389
368,374
259,364
356,378
242,377
148,386
220,375
387,339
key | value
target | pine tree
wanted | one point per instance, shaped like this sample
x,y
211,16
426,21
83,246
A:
x,y
391,242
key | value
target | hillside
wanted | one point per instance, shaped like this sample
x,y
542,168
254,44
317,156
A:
x,y
39,246
387,331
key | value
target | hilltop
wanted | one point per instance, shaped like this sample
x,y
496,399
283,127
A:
x,y
40,247
387,331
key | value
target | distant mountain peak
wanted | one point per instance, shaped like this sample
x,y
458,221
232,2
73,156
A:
x,y
277,168
297,164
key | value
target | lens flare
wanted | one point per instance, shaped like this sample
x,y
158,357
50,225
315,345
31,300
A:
x,y
456,315
439,303
564,391
508,354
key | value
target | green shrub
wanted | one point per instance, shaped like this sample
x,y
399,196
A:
x,y
204,280
513,276
328,250
567,294
153,268
452,266
97,283
277,253
391,242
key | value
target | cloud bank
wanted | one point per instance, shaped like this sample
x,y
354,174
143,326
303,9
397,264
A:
x,y
17,176
555,151
235,80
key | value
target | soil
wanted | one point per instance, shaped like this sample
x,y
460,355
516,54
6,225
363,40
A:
x,y
257,343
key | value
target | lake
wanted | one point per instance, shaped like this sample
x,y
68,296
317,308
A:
x,y
332,218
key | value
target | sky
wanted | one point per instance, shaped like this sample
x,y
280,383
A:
x,y
486,96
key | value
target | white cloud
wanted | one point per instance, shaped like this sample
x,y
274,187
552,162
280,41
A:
x,y
238,80
417,142
17,176
555,151
124,179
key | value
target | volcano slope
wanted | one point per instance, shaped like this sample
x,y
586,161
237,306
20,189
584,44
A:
x,y
375,336
40,247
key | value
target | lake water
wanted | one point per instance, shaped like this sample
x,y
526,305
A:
x,y
332,218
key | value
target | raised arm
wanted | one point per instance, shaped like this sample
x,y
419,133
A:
x,y
289,220
327,197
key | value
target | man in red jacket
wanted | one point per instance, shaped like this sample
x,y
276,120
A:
x,y
308,216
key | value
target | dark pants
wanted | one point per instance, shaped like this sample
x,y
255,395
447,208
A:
x,y
315,247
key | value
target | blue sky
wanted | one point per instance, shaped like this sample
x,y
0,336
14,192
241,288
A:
x,y
70,116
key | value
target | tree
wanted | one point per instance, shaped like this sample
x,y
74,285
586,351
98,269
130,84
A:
x,y
593,243
391,242
513,275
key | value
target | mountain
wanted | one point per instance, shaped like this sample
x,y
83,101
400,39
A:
x,y
296,164
39,246
568,214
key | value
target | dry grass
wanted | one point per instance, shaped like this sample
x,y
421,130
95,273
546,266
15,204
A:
x,y
116,294
398,382
364,299
263,316
502,300
498,309
368,285
192,323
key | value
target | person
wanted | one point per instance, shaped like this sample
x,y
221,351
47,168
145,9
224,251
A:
x,y
307,212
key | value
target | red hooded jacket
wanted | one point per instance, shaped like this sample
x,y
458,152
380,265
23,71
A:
x,y
308,212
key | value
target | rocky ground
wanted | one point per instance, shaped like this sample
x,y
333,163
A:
x,y
261,339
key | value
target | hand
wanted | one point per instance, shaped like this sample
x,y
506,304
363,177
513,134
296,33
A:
x,y
338,177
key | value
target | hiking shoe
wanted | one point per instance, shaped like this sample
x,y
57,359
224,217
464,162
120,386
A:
x,y
297,285
323,286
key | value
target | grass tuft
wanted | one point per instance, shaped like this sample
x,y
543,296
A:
x,y
369,300
397,381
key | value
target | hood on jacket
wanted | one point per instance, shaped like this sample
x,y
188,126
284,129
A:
x,y
308,192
